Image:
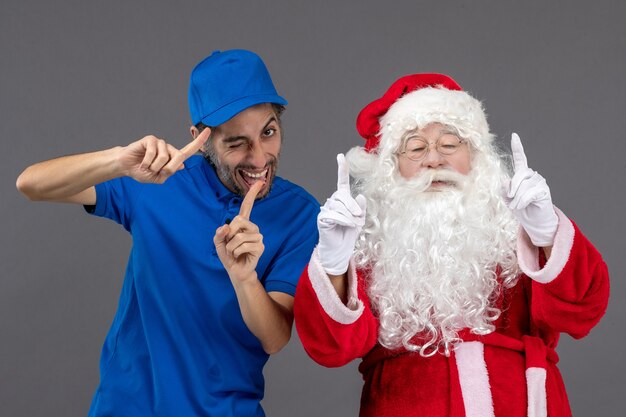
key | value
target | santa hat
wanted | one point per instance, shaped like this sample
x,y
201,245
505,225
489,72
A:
x,y
416,100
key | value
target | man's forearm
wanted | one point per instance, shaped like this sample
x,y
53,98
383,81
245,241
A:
x,y
61,178
269,320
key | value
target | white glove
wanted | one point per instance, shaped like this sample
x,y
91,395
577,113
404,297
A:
x,y
528,196
339,223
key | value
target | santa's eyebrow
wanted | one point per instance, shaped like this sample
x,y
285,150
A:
x,y
413,134
450,129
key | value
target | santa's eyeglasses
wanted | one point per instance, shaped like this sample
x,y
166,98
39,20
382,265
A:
x,y
417,148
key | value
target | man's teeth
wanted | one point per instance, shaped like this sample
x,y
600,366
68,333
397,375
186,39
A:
x,y
252,175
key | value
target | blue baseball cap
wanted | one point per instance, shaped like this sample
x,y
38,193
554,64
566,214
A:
x,y
228,82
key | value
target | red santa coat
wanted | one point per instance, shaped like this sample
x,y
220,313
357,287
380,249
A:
x,y
511,372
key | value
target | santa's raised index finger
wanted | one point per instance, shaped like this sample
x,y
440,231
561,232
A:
x,y
248,201
343,173
194,146
519,157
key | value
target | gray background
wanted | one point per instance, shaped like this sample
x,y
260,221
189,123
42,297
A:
x,y
80,75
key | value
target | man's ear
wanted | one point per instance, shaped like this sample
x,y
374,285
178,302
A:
x,y
194,134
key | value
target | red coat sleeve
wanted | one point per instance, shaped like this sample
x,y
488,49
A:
x,y
570,292
332,333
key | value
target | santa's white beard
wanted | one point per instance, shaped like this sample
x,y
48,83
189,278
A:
x,y
433,255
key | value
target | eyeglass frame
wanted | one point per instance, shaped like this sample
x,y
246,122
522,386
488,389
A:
x,y
429,144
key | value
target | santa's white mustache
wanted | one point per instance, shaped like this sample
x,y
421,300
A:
x,y
446,176
425,179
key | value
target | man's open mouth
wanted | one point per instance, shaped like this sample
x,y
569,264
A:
x,y
250,177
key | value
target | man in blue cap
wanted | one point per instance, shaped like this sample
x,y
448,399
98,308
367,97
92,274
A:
x,y
208,292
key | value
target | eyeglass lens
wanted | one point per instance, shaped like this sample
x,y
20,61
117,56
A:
x,y
417,148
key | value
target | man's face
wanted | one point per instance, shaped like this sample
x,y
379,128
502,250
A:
x,y
246,148
459,161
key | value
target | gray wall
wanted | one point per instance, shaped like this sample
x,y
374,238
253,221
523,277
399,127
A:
x,y
79,75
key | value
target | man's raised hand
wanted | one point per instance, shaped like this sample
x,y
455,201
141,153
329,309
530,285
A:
x,y
152,160
239,244
528,196
339,223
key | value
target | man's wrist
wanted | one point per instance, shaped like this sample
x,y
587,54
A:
x,y
245,281
114,156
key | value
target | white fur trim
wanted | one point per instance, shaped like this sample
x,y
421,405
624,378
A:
x,y
474,379
433,104
360,162
327,295
537,399
527,253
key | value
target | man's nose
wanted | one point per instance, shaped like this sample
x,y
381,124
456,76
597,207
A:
x,y
433,159
256,154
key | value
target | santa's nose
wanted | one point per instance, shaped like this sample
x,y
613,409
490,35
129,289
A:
x,y
433,159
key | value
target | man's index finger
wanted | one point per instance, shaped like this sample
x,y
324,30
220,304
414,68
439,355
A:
x,y
248,201
195,145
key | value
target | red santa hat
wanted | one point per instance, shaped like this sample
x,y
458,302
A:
x,y
418,99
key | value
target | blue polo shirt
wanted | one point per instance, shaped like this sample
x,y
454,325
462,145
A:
x,y
178,345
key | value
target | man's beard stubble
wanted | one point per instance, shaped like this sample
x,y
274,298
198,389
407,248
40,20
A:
x,y
224,172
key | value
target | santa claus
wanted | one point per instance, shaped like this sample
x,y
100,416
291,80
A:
x,y
450,278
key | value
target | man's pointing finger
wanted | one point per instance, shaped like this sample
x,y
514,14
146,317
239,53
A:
x,y
248,201
195,145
